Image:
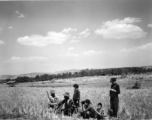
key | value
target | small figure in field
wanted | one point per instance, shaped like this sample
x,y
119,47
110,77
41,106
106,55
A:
x,y
114,98
67,105
53,100
100,112
76,97
87,110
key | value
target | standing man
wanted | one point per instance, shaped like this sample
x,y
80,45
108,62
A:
x,y
114,99
76,97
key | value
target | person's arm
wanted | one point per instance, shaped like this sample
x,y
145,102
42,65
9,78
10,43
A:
x,y
50,99
118,89
87,109
61,103
78,94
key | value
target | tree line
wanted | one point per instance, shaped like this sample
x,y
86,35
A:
x,y
82,73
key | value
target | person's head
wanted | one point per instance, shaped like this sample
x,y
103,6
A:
x,y
76,86
52,92
66,95
99,105
113,80
87,102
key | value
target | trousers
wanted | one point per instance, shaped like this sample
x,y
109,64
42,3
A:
x,y
114,104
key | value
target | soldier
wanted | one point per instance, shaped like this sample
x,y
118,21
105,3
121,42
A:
x,y
87,110
53,100
67,104
76,97
114,99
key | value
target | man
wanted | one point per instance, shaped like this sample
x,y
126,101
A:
x,y
114,99
76,97
67,104
53,100
87,110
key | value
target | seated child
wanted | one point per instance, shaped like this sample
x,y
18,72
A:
x,y
100,112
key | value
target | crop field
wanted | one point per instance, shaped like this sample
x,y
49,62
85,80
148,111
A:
x,y
30,102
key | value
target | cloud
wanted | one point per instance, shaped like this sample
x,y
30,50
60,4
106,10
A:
x,y
92,52
85,33
26,59
121,29
75,39
20,15
41,41
149,25
2,42
71,48
136,49
67,30
10,27
69,54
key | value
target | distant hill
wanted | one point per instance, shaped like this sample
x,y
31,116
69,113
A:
x,y
66,71
147,66
3,77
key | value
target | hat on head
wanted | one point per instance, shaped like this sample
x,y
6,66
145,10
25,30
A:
x,y
52,91
88,101
76,85
67,94
113,79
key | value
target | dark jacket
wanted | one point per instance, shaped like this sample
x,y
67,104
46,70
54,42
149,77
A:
x,y
116,87
76,94
68,104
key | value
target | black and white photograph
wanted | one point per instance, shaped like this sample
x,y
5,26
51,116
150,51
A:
x,y
76,60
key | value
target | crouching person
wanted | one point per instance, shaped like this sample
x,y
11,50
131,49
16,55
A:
x,y
67,105
87,110
53,101
100,112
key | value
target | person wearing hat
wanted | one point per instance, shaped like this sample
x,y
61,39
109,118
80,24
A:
x,y
114,98
87,110
76,96
67,104
53,100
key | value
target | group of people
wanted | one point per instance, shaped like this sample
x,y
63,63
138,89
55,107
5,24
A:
x,y
69,106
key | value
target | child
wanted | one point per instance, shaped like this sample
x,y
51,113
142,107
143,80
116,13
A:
x,y
100,112
76,96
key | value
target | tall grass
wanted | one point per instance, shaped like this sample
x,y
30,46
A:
x,y
31,103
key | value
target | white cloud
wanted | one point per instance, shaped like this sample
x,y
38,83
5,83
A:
x,y
130,20
41,41
69,54
26,59
136,49
75,39
67,30
10,27
149,25
2,42
20,15
92,52
85,33
121,29
71,48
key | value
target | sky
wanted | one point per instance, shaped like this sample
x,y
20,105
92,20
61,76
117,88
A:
x,y
49,36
